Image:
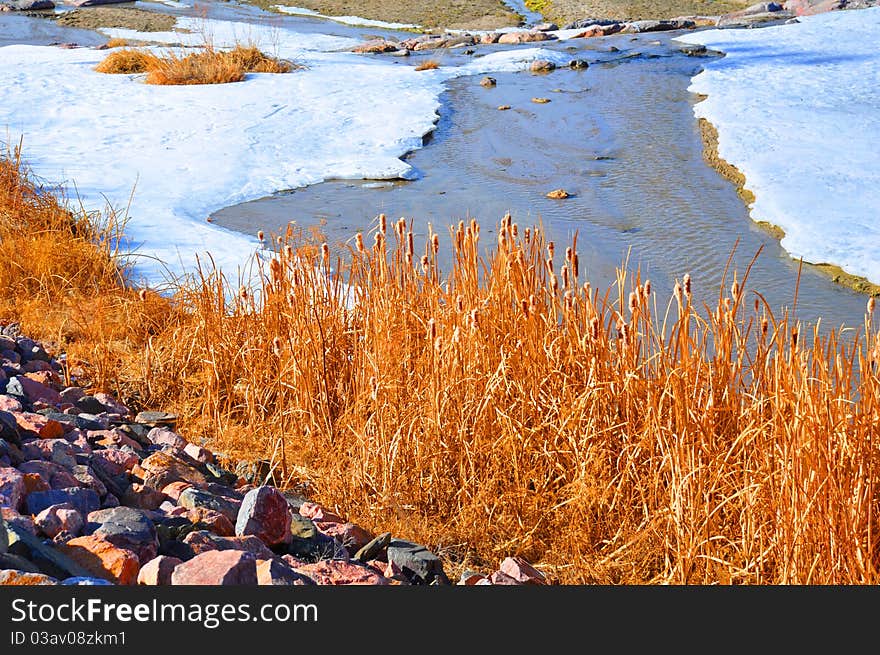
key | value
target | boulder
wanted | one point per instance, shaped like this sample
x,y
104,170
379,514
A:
x,y
276,571
642,26
419,564
51,450
163,469
192,498
84,500
217,567
56,519
201,541
542,66
264,513
521,571
103,559
127,528
12,489
512,38
158,571
39,425
340,572
212,521
24,579
352,536
375,46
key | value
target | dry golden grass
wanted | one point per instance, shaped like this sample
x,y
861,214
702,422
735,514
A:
x,y
116,43
430,64
206,66
507,407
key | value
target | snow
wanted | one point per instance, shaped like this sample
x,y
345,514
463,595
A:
x,y
795,109
179,153
347,20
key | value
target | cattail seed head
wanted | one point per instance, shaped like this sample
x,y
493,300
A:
x,y
594,328
276,346
524,305
288,252
359,242
432,330
383,224
871,304
473,322
410,245
243,293
687,284
678,294
734,290
646,289
527,235
633,302
551,248
325,252
142,294
425,263
575,265
260,236
564,274
514,231
400,227
554,283
794,337
764,325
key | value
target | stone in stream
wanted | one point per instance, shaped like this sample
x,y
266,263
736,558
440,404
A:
x,y
511,38
84,500
127,528
264,513
375,46
542,66
276,571
642,26
546,27
158,571
217,567
419,564
102,559
59,518
488,82
578,64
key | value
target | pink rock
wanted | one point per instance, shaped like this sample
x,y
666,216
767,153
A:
x,y
217,567
264,513
501,578
158,571
123,460
490,37
36,365
375,46
39,425
142,497
523,37
59,518
166,437
472,579
77,439
340,572
113,438
199,454
316,512
37,391
212,521
103,559
112,405
53,450
521,571
33,482
12,489
163,469
55,475
352,536
295,562
9,404
202,541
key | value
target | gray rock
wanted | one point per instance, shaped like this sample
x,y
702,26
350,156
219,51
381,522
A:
x,y
578,64
39,549
90,405
84,500
192,498
752,20
586,22
127,528
264,512
17,562
157,419
373,548
302,527
642,26
419,564
546,27
315,548
9,428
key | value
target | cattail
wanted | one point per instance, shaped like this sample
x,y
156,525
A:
x,y
734,290
383,224
374,388
142,294
678,294
505,221
514,230
359,242
279,240
533,304
871,304
594,328
527,235
243,293
432,330
764,325
276,346
400,227
410,245
260,236
575,265
456,335
554,283
564,273
757,305
459,303
646,289
551,247
475,228
794,337
325,253
379,240
633,302
473,322
276,270
524,305
549,264
569,299
687,284
425,264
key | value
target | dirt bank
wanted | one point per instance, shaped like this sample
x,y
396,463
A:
x,y
135,19
565,11
456,14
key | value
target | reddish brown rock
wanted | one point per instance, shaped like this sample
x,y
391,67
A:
x,y
278,572
36,389
9,404
34,482
217,567
103,559
39,425
264,513
142,497
352,536
22,579
490,37
163,469
202,541
470,578
119,461
55,475
340,572
174,489
521,571
158,571
113,439
212,520
375,46
59,518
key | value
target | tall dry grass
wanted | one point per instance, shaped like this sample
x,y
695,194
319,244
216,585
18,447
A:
x,y
506,406
206,66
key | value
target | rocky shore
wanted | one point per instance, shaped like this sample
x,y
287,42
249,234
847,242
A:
x,y
93,494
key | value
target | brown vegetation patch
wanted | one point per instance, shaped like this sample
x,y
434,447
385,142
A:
x,y
120,17
430,64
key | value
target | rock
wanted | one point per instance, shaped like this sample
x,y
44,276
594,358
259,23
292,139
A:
x,y
35,391
174,490
264,513
218,567
490,37
541,101
84,500
163,469
201,455
58,451
419,564
736,19
103,559
339,572
212,521
39,426
546,27
257,472
12,489
642,26
503,107
587,22
375,46
471,578
158,571
693,50
501,578
33,482
811,7
87,478
21,578
86,581
17,562
114,461
127,528
192,498
88,404
599,30
276,571
59,518
157,419
542,66
488,81
558,194
55,475
142,497
201,541
351,536
521,571
163,436
374,548
578,64
113,406
8,425
113,439
512,38
316,513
